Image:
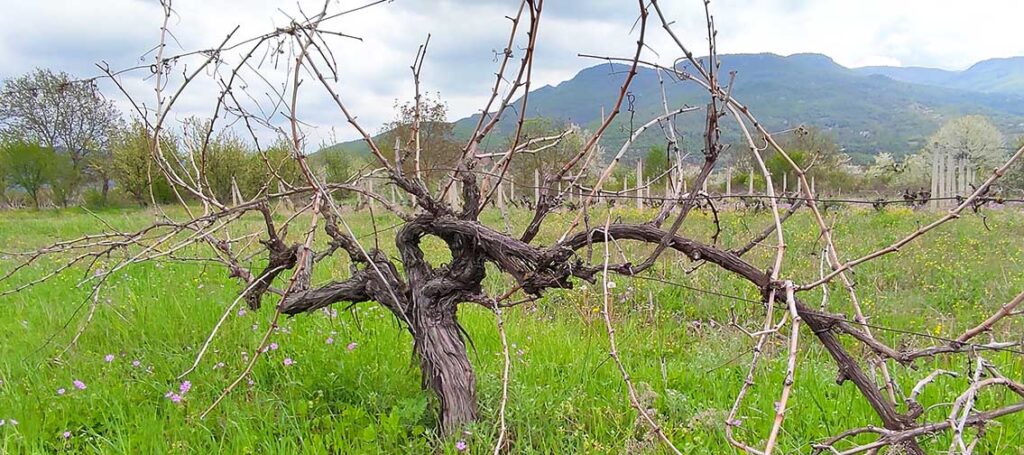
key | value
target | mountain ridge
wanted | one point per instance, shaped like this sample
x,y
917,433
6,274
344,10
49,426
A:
x,y
869,110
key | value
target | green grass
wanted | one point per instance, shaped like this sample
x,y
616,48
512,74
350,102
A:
x,y
566,396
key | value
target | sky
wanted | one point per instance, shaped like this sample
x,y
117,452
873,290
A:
x,y
74,35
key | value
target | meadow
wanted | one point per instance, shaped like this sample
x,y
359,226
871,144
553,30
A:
x,y
343,381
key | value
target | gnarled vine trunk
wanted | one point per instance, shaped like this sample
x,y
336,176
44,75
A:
x,y
445,365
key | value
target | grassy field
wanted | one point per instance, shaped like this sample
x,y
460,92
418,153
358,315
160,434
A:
x,y
345,383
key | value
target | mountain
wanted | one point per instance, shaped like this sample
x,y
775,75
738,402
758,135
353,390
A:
x,y
867,110
998,75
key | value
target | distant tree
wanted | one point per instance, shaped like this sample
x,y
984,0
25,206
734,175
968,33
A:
x,y
341,167
973,137
53,110
221,162
31,166
1015,177
525,162
817,152
656,162
132,166
439,150
277,166
909,174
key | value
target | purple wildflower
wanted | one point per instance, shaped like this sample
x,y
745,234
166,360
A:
x,y
60,391
108,358
78,384
352,346
288,361
136,363
176,398
241,311
185,387
273,346
66,435
461,446
330,340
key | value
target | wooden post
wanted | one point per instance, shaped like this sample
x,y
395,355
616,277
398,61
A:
x,y
934,202
950,177
963,175
750,183
728,181
536,187
501,194
639,184
453,195
785,183
369,190
813,191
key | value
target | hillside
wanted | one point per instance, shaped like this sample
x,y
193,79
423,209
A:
x,y
998,75
867,111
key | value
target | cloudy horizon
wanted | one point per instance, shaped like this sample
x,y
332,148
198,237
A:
x,y
73,36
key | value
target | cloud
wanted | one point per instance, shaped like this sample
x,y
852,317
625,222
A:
x,y
72,35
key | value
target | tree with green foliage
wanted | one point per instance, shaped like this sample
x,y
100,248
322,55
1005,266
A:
x,y
439,150
973,137
31,166
1015,176
539,156
817,153
341,167
55,111
132,166
656,162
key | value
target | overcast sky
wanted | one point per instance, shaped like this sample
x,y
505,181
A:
x,y
72,35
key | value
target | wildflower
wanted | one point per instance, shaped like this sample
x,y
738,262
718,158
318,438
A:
x,y
176,398
108,358
251,382
79,384
352,346
60,391
273,346
241,311
136,363
66,435
611,285
461,446
330,340
218,366
185,387
288,361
